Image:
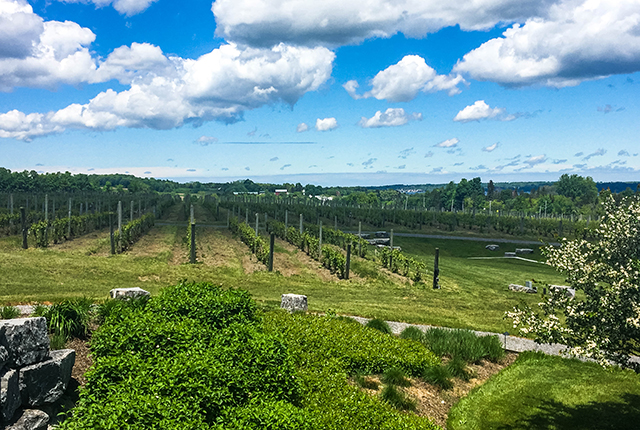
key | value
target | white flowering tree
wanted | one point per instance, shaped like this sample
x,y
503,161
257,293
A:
x,y
604,323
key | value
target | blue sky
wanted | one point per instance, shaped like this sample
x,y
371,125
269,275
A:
x,y
331,93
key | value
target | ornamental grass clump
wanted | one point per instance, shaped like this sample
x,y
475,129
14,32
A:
x,y
438,375
412,333
397,398
395,376
380,325
9,312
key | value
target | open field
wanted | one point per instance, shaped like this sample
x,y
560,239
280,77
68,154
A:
x,y
474,292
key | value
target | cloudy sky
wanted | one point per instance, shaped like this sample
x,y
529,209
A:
x,y
329,92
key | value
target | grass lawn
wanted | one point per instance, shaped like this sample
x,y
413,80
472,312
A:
x,y
474,292
546,392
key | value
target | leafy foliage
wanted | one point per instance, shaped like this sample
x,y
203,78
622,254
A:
x,y
256,244
605,325
69,318
132,231
9,312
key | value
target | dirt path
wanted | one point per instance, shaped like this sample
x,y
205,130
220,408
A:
x,y
158,242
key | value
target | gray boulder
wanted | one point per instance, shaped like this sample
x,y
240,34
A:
x,y
45,382
128,293
510,254
524,251
522,289
568,291
4,356
492,247
10,399
25,340
30,419
294,302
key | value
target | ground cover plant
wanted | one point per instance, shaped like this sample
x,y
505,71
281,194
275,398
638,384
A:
x,y
199,356
547,392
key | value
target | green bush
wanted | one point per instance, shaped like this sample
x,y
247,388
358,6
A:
x,y
9,312
380,325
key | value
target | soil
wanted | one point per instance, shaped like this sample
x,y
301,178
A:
x,y
434,402
83,360
94,243
152,244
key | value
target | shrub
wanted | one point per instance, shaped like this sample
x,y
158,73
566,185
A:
x,y
396,398
380,325
69,318
412,333
395,376
458,368
9,312
438,375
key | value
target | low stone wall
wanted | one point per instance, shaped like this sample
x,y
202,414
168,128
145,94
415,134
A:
x,y
31,375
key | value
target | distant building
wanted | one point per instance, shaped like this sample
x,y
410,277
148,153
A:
x,y
283,191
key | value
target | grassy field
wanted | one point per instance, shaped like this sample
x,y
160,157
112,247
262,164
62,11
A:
x,y
543,392
474,292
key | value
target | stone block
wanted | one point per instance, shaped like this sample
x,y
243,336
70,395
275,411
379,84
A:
x,y
10,400
568,291
45,382
524,251
522,289
128,293
26,340
510,254
492,247
30,419
294,302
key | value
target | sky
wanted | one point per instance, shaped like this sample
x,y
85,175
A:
x,y
365,92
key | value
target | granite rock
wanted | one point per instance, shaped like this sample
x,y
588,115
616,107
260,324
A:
x,y
26,340
45,382
30,419
10,400
128,293
294,302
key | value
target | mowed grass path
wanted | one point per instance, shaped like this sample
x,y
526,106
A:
x,y
474,292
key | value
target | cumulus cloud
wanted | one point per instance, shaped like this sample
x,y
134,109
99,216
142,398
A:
x,y
479,111
392,117
598,153
336,22
623,153
125,7
449,143
220,85
579,40
326,124
302,127
206,140
402,81
20,29
491,148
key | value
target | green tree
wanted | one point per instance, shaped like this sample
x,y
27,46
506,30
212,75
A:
x,y
583,191
605,324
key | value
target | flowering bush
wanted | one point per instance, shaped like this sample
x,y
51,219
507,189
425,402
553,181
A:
x,y
605,325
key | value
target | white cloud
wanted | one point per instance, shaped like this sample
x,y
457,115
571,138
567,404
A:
x,y
392,117
220,85
20,28
402,81
579,40
302,127
336,22
206,140
449,143
491,148
598,153
477,111
125,7
326,124
428,154
623,153
537,159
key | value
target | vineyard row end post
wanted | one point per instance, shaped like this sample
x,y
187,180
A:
x,y
192,257
436,271
23,220
346,275
272,239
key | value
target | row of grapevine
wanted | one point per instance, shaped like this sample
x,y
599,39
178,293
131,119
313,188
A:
x,y
329,257
256,244
397,262
132,231
379,218
61,229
